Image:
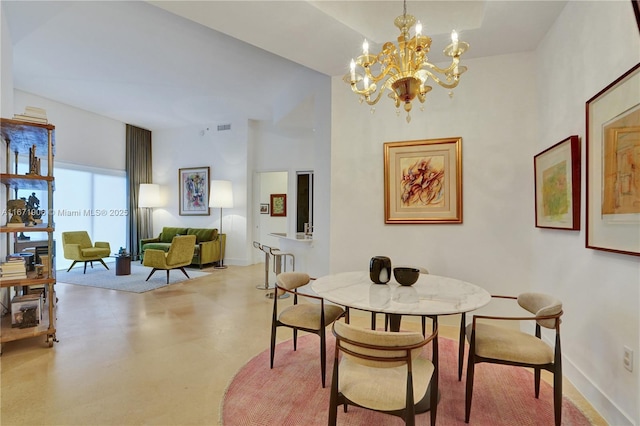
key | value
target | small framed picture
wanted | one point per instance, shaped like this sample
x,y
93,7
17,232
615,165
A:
x,y
557,185
264,208
278,204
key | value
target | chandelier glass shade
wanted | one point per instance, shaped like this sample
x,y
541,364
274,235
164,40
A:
x,y
403,69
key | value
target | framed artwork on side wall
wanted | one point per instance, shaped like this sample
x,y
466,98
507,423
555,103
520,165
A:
x,y
557,185
613,166
193,187
423,181
278,204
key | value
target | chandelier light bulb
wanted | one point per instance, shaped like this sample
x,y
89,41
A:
x,y
418,28
365,47
366,82
352,67
454,36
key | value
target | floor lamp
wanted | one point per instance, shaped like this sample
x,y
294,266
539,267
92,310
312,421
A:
x,y
148,198
221,197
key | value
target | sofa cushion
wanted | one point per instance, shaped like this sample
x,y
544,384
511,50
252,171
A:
x,y
169,232
203,234
157,246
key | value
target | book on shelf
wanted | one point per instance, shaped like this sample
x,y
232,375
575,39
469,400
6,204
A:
x,y
15,225
35,111
12,268
33,114
29,118
13,277
15,258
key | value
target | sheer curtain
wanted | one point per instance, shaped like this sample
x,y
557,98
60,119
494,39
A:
x,y
139,171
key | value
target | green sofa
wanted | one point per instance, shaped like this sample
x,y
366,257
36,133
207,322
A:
x,y
209,244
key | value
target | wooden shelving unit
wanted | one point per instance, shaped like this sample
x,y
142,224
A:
x,y
19,137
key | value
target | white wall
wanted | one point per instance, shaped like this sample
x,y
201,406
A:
x,y
81,137
495,115
6,71
274,148
271,183
225,153
590,45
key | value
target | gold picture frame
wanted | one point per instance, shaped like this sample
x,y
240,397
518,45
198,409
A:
x,y
557,185
423,181
613,166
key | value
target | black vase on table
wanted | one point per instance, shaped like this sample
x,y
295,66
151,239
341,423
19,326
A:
x,y
380,269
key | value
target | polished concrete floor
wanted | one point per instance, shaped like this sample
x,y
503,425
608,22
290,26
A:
x,y
163,357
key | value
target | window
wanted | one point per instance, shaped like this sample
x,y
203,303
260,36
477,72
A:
x,y
304,200
93,200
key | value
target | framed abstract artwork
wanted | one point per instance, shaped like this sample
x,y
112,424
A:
x,y
613,166
557,185
423,181
278,204
193,186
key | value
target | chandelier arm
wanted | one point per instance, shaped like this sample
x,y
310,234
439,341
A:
x,y
441,82
439,70
368,100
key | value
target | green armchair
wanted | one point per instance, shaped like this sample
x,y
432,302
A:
x,y
77,246
179,255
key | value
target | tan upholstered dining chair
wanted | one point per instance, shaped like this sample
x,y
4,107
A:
x,y
180,254
383,371
311,317
501,345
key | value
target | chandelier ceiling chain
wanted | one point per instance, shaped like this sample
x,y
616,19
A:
x,y
404,69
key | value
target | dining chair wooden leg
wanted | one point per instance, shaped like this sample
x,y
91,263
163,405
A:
x,y
295,339
373,320
461,340
557,383
333,401
469,386
323,355
273,343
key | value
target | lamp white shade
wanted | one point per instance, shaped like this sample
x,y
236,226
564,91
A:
x,y
221,194
149,195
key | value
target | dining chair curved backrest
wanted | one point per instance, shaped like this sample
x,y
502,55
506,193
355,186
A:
x,y
383,371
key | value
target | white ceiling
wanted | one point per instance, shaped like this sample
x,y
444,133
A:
x,y
164,64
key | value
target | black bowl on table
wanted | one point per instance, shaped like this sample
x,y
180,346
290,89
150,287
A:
x,y
406,275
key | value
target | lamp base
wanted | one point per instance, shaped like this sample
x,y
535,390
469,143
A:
x,y
220,265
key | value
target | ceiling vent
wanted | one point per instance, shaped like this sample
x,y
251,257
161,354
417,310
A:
x,y
222,127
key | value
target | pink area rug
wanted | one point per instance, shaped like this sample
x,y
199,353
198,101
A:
x,y
292,394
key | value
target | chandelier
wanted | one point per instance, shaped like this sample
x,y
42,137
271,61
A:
x,y
404,69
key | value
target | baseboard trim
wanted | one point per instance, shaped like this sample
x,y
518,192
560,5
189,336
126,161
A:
x,y
599,400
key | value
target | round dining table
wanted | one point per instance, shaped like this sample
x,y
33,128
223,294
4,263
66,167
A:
x,y
431,295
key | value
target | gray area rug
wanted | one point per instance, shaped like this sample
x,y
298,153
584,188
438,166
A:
x,y
135,283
